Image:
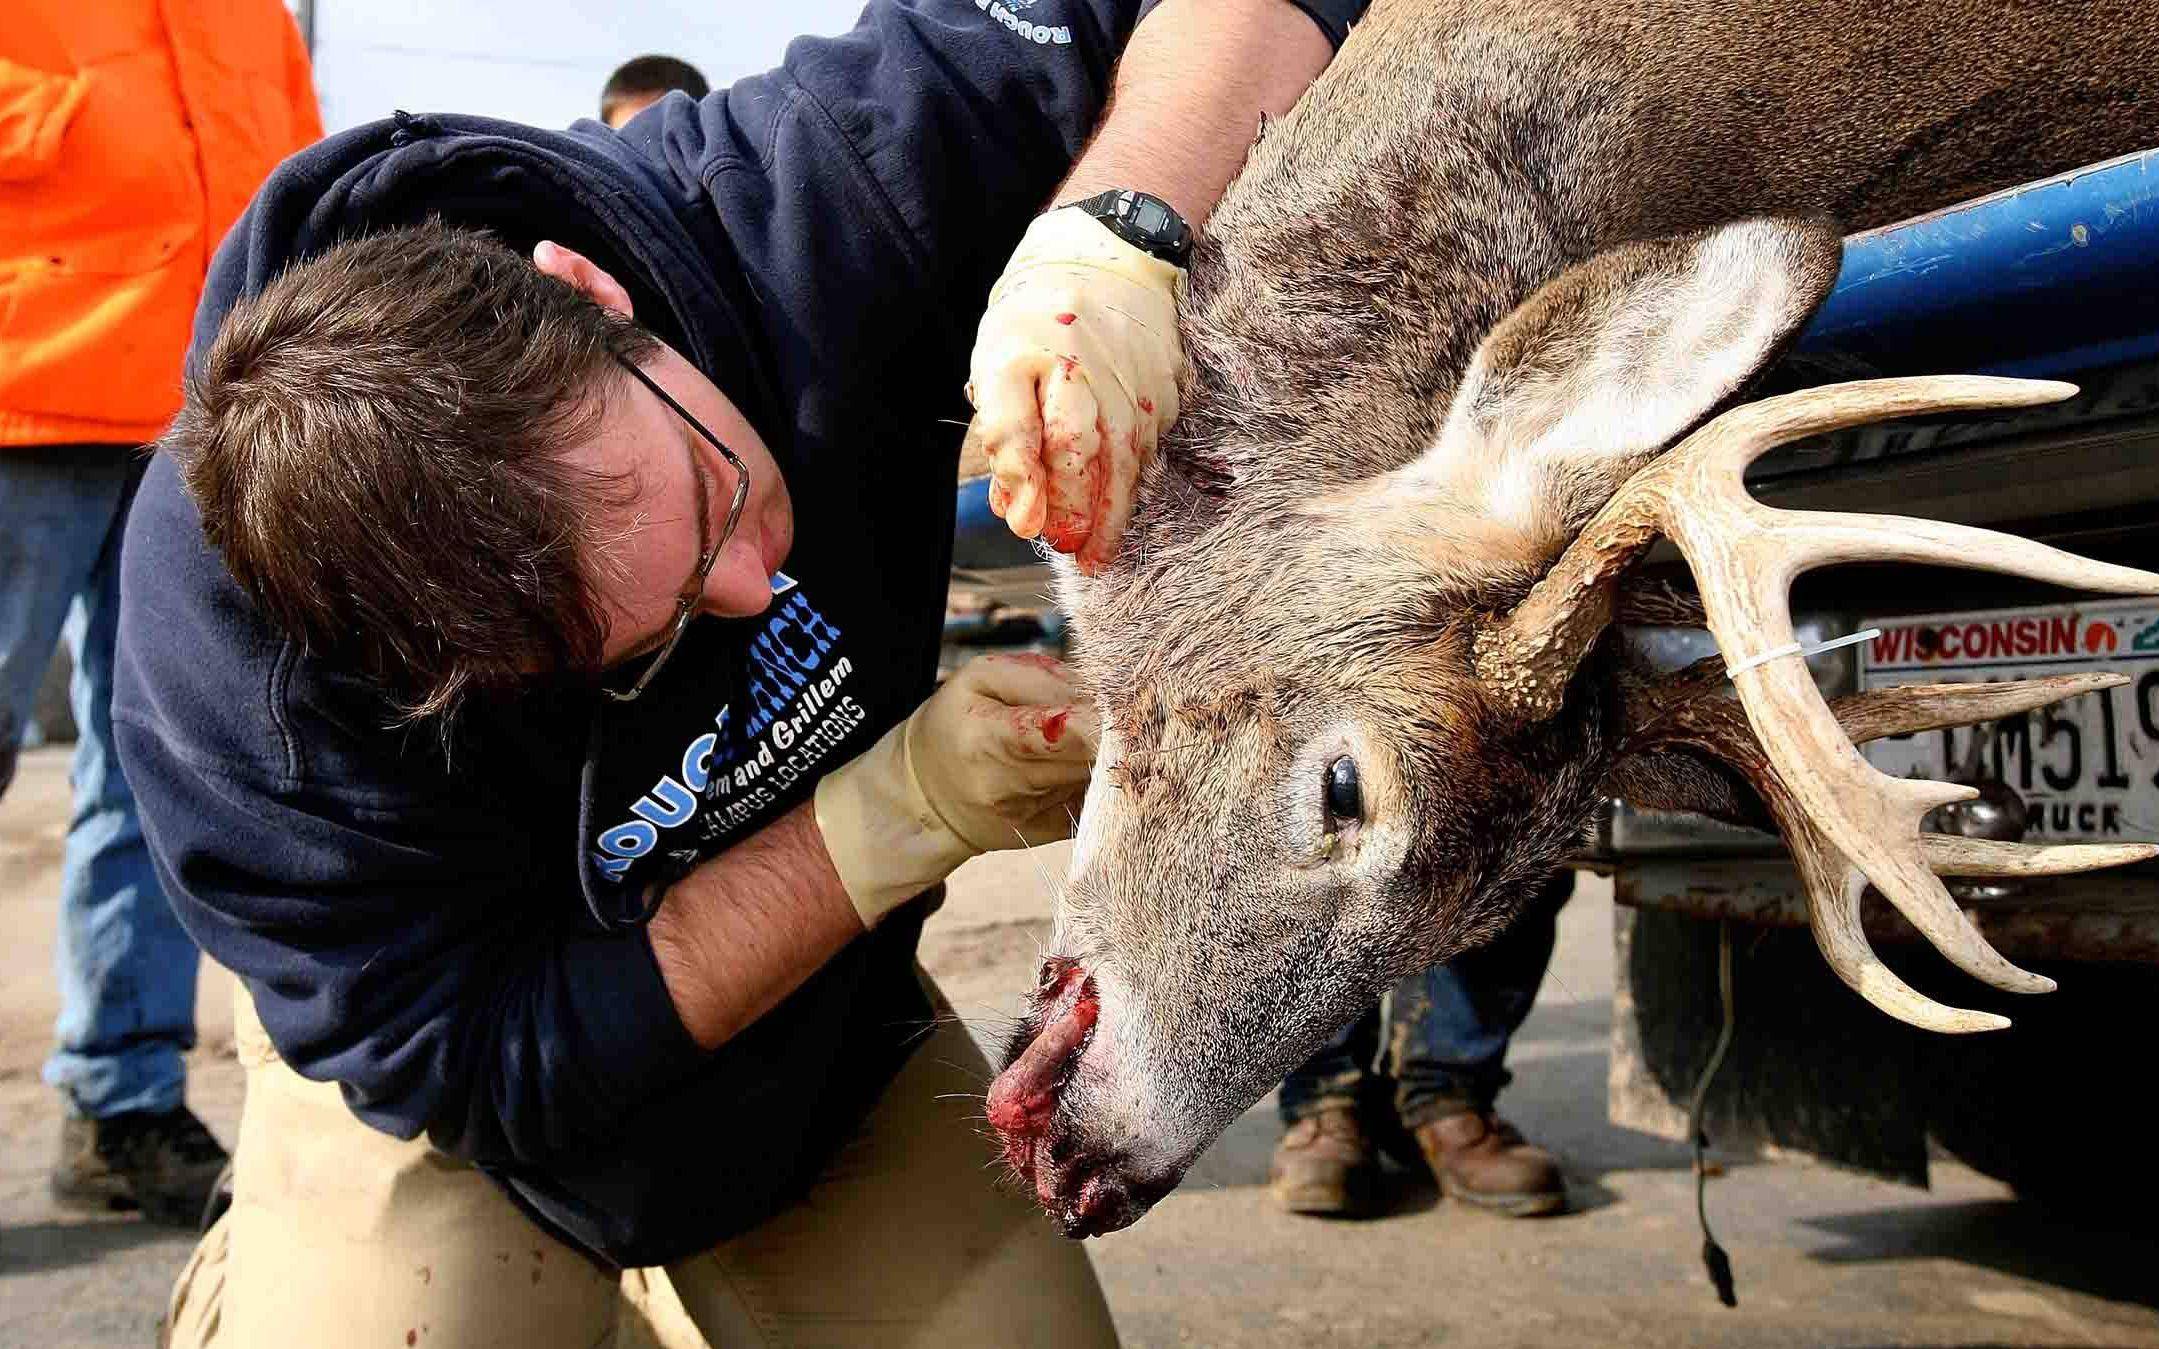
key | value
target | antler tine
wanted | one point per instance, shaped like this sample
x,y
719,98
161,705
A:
x,y
1927,707
1834,888
1748,432
1824,538
1950,855
1878,713
1527,657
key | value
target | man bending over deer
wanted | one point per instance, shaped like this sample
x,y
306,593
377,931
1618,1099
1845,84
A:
x,y
527,649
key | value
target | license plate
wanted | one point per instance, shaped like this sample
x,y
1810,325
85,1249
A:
x,y
2087,768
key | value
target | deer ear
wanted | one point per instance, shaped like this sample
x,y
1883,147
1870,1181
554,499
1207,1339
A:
x,y
1615,359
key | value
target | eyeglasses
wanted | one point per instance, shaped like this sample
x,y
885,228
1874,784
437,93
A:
x,y
686,602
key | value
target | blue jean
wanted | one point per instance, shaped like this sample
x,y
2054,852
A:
x,y
1446,1031
126,968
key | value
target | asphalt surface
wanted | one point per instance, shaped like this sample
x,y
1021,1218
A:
x,y
1824,1258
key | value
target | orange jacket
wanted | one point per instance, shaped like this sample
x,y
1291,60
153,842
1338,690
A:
x,y
132,134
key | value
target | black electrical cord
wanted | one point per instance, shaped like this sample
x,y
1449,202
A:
x,y
1713,1257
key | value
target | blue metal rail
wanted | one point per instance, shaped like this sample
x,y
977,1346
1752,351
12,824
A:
x,y
2051,279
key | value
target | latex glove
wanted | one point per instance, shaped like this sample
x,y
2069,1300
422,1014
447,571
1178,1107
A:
x,y
996,758
1074,379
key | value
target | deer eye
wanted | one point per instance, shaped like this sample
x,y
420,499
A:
x,y
1345,799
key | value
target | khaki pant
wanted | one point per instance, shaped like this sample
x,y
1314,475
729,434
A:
x,y
340,1235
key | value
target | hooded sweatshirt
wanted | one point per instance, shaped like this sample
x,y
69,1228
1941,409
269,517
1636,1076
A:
x,y
444,930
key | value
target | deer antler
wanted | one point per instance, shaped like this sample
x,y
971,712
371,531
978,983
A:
x,y
1845,822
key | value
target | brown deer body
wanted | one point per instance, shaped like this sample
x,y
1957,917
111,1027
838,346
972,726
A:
x,y
1496,261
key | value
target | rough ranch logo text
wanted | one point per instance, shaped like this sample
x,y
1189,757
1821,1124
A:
x,y
1042,34
796,716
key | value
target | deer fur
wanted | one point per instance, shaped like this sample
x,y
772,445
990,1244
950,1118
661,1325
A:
x,y
1497,258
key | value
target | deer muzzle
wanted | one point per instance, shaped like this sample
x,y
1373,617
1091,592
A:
x,y
1087,1188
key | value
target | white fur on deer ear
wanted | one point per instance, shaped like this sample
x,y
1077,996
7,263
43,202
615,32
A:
x,y
1615,359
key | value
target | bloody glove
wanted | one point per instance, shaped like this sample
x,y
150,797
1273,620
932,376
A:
x,y
1074,379
996,758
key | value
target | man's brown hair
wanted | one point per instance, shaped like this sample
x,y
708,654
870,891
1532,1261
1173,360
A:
x,y
373,441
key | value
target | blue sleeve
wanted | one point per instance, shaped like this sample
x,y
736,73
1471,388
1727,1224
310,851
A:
x,y
398,959
928,136
902,159
961,119
388,957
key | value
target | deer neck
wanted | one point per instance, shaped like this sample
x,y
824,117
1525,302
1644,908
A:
x,y
1459,154
1372,240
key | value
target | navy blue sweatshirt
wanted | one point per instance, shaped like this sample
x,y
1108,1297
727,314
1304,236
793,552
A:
x,y
424,928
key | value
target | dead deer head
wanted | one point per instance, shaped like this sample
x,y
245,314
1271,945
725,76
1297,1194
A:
x,y
1346,736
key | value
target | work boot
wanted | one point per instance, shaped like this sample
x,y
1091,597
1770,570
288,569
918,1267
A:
x,y
162,1162
1480,1159
1325,1165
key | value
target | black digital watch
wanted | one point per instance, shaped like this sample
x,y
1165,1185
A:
x,y
1144,221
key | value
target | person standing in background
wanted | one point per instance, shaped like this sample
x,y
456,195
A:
x,y
1419,1075
642,81
132,135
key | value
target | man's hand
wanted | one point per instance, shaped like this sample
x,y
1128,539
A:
x,y
996,758
1074,379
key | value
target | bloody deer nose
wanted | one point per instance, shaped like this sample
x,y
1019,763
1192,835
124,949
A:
x,y
1024,1096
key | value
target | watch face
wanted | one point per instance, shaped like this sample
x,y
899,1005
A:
x,y
1151,216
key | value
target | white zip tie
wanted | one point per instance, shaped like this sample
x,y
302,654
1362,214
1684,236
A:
x,y
1798,649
